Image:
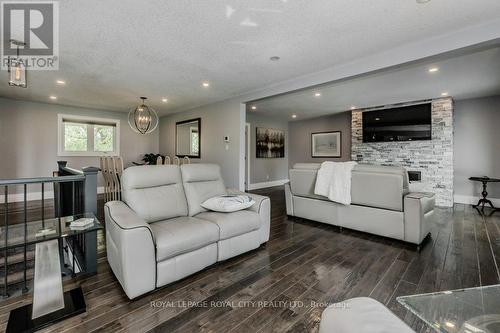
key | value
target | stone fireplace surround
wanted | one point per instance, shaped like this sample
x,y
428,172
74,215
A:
x,y
434,158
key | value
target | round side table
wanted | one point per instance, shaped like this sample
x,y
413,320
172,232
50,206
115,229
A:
x,y
484,200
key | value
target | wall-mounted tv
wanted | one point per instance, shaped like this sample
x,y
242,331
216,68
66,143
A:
x,y
407,123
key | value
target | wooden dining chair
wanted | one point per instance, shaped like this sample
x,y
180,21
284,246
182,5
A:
x,y
103,161
116,164
109,167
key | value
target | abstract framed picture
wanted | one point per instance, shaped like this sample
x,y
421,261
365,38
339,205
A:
x,y
326,144
270,143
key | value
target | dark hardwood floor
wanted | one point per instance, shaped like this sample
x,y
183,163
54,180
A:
x,y
303,266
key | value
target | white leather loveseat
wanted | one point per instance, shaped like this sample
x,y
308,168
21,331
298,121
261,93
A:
x,y
160,233
382,203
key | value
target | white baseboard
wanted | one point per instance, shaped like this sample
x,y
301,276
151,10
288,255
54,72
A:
x,y
19,197
257,186
471,200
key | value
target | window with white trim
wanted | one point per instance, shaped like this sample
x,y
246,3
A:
x,y
87,136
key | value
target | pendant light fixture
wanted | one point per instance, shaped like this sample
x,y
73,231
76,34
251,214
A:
x,y
143,119
16,68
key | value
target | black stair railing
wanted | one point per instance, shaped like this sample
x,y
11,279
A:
x,y
75,192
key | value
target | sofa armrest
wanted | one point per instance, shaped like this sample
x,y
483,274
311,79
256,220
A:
x,y
418,212
262,207
130,248
288,199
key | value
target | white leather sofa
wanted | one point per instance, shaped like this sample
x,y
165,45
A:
x,y
381,202
160,233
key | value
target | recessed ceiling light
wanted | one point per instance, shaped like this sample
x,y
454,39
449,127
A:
x,y
254,107
353,107
433,70
317,94
247,22
61,82
164,100
444,94
53,97
377,119
206,84
449,324
294,116
229,11
274,58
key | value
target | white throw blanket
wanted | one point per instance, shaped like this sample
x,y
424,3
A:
x,y
334,181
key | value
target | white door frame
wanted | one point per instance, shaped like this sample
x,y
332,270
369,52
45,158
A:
x,y
247,154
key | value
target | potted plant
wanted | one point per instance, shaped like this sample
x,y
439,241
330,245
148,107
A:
x,y
151,158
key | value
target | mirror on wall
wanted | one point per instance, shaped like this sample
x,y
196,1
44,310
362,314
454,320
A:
x,y
188,138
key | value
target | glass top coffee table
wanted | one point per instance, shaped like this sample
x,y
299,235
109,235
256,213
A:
x,y
472,310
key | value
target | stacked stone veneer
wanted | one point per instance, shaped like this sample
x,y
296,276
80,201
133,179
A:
x,y
434,158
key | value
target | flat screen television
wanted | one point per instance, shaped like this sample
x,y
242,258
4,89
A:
x,y
407,123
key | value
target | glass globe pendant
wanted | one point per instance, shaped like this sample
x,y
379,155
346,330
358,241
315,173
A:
x,y
143,119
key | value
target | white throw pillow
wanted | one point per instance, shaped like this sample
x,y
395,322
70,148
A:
x,y
228,203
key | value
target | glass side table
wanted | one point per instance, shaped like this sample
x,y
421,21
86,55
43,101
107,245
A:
x,y
50,302
472,310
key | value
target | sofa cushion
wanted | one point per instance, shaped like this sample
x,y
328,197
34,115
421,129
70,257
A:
x,y
201,182
303,181
373,188
182,234
228,203
154,192
232,224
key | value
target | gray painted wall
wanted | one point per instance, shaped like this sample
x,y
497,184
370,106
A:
x,y
28,139
267,169
217,120
477,144
300,137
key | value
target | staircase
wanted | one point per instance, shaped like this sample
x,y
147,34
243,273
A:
x,y
16,283
75,192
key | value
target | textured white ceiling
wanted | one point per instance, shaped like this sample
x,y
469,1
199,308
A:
x,y
113,51
470,75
